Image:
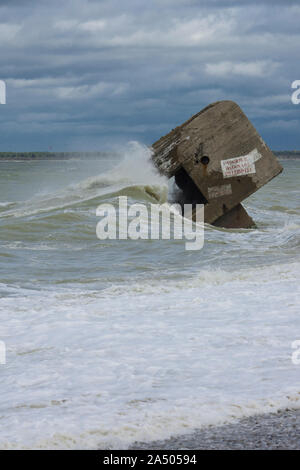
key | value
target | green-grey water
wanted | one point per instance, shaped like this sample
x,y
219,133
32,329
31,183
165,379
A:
x,y
112,341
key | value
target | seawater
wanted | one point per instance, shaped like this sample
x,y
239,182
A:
x,y
113,341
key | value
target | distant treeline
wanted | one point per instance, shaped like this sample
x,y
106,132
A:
x,y
50,155
287,153
66,155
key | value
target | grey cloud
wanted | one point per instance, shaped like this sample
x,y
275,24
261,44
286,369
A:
x,y
95,72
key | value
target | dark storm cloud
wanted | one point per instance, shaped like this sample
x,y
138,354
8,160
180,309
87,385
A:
x,y
84,74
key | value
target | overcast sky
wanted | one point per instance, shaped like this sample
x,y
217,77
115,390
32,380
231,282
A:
x,y
88,75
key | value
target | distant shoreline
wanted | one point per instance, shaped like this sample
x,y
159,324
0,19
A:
x,y
51,155
287,154
282,154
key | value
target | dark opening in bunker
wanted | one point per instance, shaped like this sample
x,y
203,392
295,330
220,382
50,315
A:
x,y
204,160
189,192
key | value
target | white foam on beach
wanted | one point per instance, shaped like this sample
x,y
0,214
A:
x,y
90,369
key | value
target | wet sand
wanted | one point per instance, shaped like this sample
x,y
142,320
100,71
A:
x,y
265,432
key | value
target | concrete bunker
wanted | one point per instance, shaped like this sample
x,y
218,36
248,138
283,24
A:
x,y
218,159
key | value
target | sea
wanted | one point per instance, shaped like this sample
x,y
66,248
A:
x,y
106,342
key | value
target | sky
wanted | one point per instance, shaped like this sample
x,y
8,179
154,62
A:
x,y
93,75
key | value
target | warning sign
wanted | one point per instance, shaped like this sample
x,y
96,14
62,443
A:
x,y
244,165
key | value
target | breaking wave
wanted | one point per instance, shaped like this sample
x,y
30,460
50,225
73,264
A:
x,y
134,176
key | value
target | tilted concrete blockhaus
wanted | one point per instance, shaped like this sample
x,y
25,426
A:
x,y
219,159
